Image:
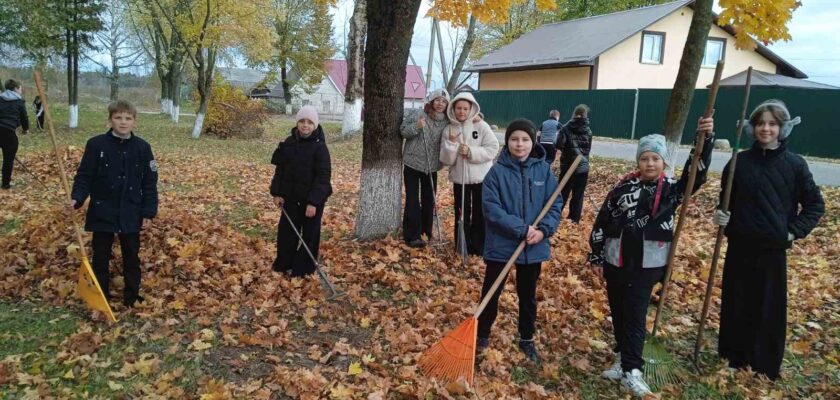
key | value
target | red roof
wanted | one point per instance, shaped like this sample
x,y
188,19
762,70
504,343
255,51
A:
x,y
414,86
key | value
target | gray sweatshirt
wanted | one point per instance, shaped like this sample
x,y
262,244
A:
x,y
422,146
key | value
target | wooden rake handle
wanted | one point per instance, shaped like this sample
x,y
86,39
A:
x,y
692,176
64,182
521,247
724,205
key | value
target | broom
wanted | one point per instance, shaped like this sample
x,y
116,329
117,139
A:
x,y
661,368
88,287
453,356
724,205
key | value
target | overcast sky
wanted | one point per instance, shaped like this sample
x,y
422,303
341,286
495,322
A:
x,y
814,49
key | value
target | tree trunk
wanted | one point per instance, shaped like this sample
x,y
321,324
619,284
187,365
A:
x,y
115,81
175,92
462,58
287,94
692,56
165,93
73,89
204,67
351,123
390,27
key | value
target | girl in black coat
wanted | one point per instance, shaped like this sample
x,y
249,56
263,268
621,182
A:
x,y
301,185
769,187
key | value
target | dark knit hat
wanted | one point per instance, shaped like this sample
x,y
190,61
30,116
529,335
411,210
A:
x,y
521,124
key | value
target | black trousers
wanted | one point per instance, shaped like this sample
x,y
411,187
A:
x,y
473,217
419,215
291,257
527,276
753,314
628,292
9,145
550,152
576,187
40,120
130,246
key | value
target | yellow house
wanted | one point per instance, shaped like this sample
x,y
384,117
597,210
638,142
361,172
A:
x,y
639,48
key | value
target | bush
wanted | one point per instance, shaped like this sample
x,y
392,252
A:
x,y
232,114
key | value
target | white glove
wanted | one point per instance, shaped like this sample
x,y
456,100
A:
x,y
721,217
790,237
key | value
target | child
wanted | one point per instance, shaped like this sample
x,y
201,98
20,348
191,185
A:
x,y
770,185
630,241
39,112
301,185
575,138
515,191
12,115
469,149
422,130
119,173
548,135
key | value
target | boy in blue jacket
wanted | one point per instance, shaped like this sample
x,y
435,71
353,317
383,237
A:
x,y
119,173
515,191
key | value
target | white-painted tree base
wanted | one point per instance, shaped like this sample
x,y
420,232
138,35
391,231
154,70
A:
x,y
73,114
166,106
176,113
199,124
351,122
379,200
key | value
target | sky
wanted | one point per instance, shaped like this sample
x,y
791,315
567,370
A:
x,y
814,48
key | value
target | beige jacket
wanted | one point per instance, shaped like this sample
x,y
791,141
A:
x,y
478,136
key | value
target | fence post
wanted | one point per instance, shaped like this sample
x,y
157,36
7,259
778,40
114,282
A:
x,y
635,112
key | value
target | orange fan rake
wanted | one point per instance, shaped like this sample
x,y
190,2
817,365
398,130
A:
x,y
453,356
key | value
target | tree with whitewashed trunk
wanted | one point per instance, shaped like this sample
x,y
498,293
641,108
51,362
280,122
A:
x,y
351,122
763,20
205,30
81,21
161,45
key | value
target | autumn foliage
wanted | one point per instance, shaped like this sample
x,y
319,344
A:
x,y
213,299
232,114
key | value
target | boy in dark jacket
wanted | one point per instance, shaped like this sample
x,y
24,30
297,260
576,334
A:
x,y
575,138
630,242
301,185
119,173
515,191
773,202
12,115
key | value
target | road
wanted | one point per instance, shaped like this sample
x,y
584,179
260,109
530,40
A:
x,y
825,173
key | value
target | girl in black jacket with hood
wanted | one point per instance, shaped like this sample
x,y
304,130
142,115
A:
x,y
301,185
575,138
769,187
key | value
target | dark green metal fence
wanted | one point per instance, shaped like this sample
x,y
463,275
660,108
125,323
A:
x,y
612,112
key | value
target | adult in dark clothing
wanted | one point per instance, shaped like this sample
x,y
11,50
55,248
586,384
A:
x,y
573,139
547,135
301,184
119,172
12,115
39,112
630,241
422,131
774,201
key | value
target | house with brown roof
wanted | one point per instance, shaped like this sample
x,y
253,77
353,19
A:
x,y
638,48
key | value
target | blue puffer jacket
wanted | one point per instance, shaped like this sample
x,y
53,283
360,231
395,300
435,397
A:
x,y
513,196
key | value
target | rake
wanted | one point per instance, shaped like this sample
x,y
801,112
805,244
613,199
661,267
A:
x,y
724,205
453,356
661,367
461,245
440,240
333,293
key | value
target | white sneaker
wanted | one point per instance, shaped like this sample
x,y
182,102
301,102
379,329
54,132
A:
x,y
634,381
615,372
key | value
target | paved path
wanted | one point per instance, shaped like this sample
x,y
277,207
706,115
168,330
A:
x,y
825,173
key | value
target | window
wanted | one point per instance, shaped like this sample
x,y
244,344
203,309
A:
x,y
326,106
305,102
653,47
715,49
